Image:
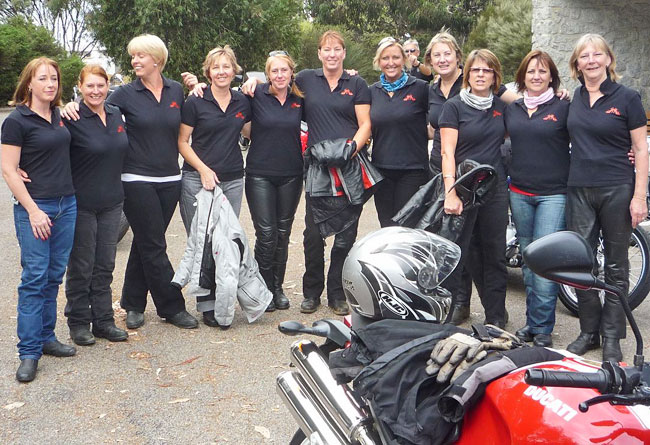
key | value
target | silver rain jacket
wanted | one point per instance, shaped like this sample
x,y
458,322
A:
x,y
236,274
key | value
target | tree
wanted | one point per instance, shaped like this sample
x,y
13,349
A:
x,y
67,20
505,28
396,17
190,28
20,42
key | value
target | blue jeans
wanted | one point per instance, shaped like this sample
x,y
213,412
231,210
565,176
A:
x,y
535,217
43,264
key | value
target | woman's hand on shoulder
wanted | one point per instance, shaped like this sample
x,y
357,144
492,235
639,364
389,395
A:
x,y
71,111
563,94
192,83
249,86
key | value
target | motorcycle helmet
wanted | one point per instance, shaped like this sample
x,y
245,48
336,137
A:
x,y
395,272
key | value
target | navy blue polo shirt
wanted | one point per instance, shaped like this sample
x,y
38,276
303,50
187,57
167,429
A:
x,y
215,138
152,127
331,114
480,133
399,126
540,146
275,134
97,153
600,135
415,72
44,151
436,101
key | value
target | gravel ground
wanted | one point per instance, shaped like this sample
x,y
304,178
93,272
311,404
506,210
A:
x,y
166,385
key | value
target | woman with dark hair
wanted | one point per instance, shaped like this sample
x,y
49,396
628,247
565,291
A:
x,y
538,173
151,106
97,152
605,194
35,140
472,127
399,130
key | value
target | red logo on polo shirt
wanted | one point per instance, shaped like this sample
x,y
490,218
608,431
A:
x,y
496,113
174,105
613,110
60,123
347,92
295,105
409,97
550,117
120,129
240,115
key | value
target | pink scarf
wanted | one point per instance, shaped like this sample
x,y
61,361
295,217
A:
x,y
533,102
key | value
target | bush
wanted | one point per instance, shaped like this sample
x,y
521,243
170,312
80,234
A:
x,y
505,28
20,42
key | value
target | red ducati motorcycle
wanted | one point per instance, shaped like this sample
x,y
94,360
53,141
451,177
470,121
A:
x,y
564,401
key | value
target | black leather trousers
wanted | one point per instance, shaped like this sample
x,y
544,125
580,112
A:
x,y
272,201
589,211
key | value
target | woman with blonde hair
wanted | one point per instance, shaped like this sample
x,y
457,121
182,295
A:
x,y
213,122
399,130
274,170
151,106
605,194
35,140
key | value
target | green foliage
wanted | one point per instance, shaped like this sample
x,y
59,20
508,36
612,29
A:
x,y
20,42
396,17
190,28
505,28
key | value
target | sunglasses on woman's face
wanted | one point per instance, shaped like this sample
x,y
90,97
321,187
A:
x,y
408,51
478,70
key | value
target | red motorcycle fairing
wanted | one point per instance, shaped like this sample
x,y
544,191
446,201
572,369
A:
x,y
513,412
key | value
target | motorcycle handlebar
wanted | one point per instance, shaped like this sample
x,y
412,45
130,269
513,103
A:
x,y
599,380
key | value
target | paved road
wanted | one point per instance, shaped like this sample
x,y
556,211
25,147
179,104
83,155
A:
x,y
167,385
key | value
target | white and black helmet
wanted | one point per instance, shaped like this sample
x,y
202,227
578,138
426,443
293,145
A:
x,y
395,272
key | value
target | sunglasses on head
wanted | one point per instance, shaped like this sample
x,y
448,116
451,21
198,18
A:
x,y
386,40
278,53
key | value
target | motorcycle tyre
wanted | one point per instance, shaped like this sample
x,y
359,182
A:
x,y
567,294
124,227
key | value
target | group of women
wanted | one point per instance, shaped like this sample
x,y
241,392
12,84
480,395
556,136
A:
x,y
72,177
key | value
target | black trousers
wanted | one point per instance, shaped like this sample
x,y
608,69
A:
x,y
149,207
482,245
90,268
395,190
272,201
589,211
313,280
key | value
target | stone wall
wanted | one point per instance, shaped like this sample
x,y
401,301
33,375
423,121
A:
x,y
557,25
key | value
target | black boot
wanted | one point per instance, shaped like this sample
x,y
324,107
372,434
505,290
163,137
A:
x,y
524,334
461,314
27,370
81,335
279,298
612,350
585,342
309,305
267,275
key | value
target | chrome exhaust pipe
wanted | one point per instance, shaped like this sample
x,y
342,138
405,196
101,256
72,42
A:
x,y
337,400
310,416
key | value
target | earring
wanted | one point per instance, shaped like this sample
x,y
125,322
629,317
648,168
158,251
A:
x,y
155,64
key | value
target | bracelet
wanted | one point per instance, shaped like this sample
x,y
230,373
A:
x,y
449,176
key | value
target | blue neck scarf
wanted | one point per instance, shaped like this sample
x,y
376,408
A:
x,y
393,86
